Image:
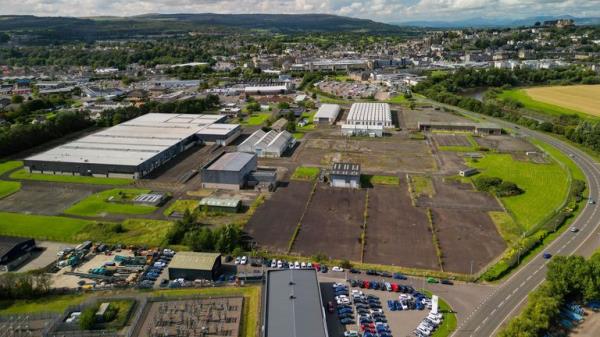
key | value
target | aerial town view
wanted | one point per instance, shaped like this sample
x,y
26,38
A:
x,y
284,168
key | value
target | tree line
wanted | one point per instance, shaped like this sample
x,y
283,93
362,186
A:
x,y
569,279
447,87
30,285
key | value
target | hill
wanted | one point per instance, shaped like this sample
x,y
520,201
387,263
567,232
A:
x,y
90,29
496,23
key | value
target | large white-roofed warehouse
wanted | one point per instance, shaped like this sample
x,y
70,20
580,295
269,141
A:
x,y
134,148
378,114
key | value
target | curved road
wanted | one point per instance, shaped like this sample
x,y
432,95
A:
x,y
491,314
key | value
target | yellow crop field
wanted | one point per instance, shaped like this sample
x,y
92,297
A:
x,y
583,98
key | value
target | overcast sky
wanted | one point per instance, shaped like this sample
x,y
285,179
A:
x,y
379,10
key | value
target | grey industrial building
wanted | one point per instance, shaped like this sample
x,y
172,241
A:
x,y
14,251
134,148
345,175
293,305
327,114
477,128
230,170
268,144
192,266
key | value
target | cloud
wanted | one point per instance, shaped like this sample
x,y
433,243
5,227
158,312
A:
x,y
380,10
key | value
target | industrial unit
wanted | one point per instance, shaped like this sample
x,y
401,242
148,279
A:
x,y
476,128
192,266
327,114
293,305
370,114
268,144
212,204
362,130
134,148
345,175
228,171
14,251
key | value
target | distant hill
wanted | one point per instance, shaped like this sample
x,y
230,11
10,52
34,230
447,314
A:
x,y
501,23
69,28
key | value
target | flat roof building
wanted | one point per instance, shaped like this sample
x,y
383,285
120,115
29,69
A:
x,y
192,266
370,114
134,148
228,171
478,128
345,175
213,204
293,305
327,114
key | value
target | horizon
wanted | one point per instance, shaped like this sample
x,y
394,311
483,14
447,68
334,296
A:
x,y
386,11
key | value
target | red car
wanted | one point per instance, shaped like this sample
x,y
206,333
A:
x,y
330,307
395,287
366,284
316,266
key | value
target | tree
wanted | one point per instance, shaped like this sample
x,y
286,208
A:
x,y
87,320
283,105
17,99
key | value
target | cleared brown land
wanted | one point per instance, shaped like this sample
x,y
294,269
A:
x,y
456,195
451,140
274,222
466,236
505,144
332,224
584,98
389,155
398,233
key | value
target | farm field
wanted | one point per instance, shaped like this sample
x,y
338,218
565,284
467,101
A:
x,y
100,204
581,100
41,227
545,185
24,175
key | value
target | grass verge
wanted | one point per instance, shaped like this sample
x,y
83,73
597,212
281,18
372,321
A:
x,y
449,325
9,187
144,232
8,166
256,119
367,180
53,303
40,226
24,175
306,173
114,201
181,205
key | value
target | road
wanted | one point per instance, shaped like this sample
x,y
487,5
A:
x,y
495,310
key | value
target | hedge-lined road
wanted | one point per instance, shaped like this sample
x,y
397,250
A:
x,y
511,295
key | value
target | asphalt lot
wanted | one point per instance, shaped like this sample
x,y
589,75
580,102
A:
x,y
45,255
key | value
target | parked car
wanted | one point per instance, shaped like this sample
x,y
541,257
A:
x,y
347,321
238,260
447,282
324,269
432,280
336,268
354,271
399,276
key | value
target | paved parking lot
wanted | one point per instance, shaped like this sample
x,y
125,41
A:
x,y
44,256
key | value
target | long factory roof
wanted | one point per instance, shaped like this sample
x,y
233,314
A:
x,y
370,112
130,143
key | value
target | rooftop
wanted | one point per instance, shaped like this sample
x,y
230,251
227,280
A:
x,y
329,111
345,169
232,161
7,243
370,112
293,304
220,202
194,260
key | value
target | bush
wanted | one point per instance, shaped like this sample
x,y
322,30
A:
x,y
486,184
87,320
507,189
497,186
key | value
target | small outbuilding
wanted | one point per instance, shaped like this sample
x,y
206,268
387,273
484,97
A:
x,y
193,266
467,172
231,205
345,175
14,251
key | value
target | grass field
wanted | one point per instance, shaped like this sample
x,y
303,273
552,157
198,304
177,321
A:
x,y
369,180
24,175
181,205
41,227
507,227
546,186
256,119
422,185
99,204
306,173
44,304
399,99
147,232
8,166
8,187
558,101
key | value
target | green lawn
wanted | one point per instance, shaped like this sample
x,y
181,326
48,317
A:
x,y
306,173
398,99
369,180
422,185
132,232
546,186
24,175
181,206
9,166
8,187
576,172
114,201
57,303
298,135
309,116
507,227
40,226
541,107
256,119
